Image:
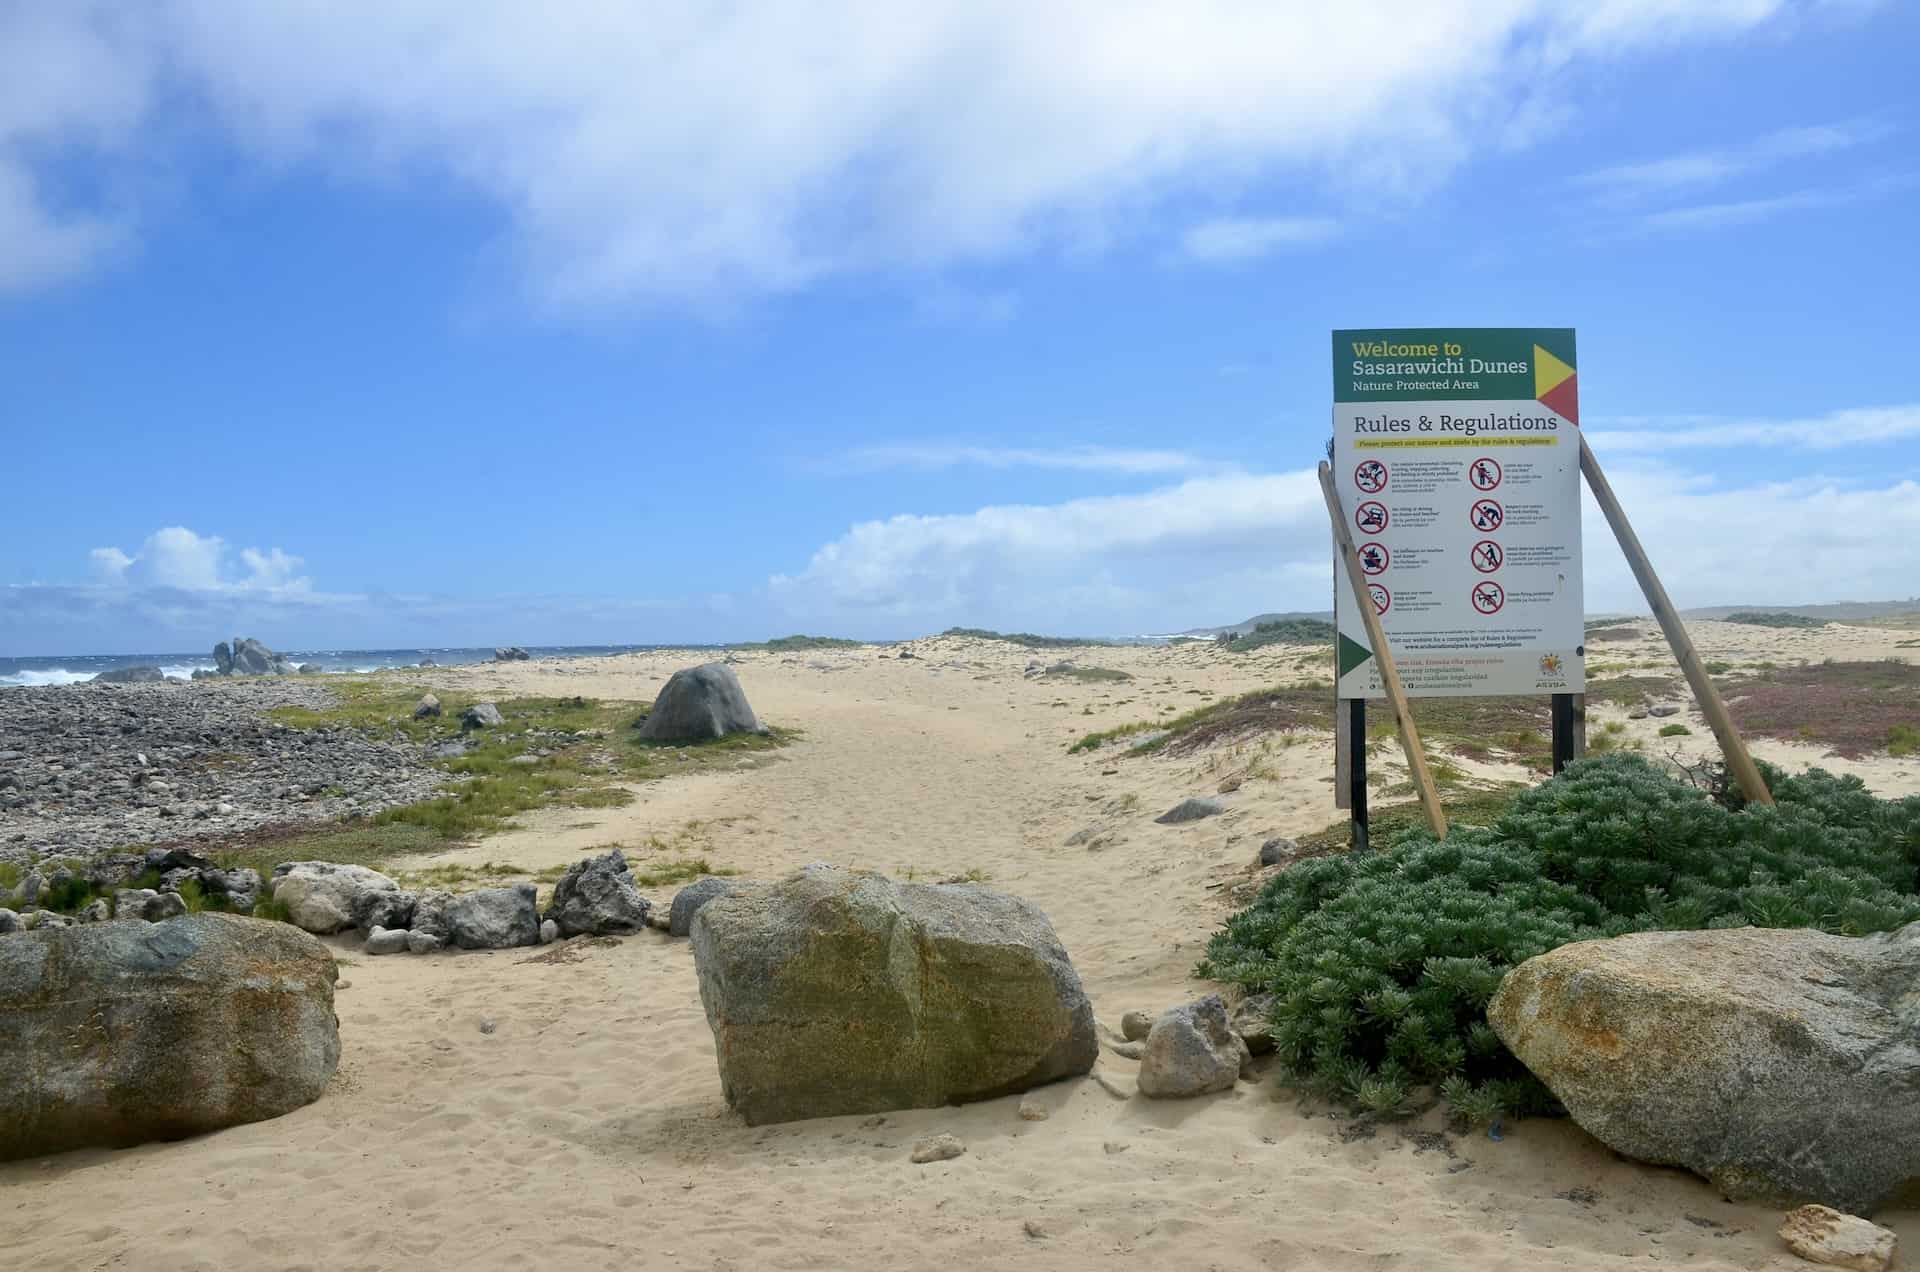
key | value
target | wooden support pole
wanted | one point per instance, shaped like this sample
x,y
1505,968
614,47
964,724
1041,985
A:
x,y
1356,731
1389,674
1745,772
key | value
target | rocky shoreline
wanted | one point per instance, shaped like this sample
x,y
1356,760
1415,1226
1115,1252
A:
x,y
91,768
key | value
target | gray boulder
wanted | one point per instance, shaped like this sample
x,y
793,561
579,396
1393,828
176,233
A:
x,y
687,901
125,1033
1781,1065
510,653
1252,1019
114,871
311,669
10,922
98,910
430,916
320,896
481,715
240,887
1191,1050
252,658
1191,810
838,992
387,941
429,708
380,908
223,658
130,676
422,942
597,897
495,918
698,704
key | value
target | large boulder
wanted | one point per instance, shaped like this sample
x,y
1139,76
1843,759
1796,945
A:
x,y
597,897
122,1033
510,653
494,918
1781,1065
837,992
689,900
481,715
223,658
1191,1050
321,896
130,676
699,704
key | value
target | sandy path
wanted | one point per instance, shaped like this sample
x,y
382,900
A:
x,y
586,1130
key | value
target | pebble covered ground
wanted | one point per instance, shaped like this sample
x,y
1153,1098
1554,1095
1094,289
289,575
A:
x,y
87,769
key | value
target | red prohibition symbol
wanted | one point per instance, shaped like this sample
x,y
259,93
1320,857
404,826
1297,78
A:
x,y
1371,516
1374,558
1487,556
1382,599
1371,477
1488,597
1484,473
1486,515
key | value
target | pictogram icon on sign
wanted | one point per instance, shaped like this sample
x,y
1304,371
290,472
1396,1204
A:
x,y
1487,556
1486,515
1485,473
1371,516
1371,477
1488,597
1382,599
1374,557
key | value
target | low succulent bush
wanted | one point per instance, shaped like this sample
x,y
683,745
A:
x,y
1381,965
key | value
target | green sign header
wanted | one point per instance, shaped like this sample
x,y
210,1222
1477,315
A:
x,y
1438,364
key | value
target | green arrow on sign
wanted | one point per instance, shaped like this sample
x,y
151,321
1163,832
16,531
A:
x,y
1351,653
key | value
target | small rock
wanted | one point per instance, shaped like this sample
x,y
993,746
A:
x,y
1113,1148
1135,1026
340,985
1663,710
1031,1110
10,922
1638,713
549,932
429,708
481,715
1252,1020
422,942
1277,850
937,1148
1188,810
1192,1051
487,1026
1035,1229
1823,1235
387,940
1231,784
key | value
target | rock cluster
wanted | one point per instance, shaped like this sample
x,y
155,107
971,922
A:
x,y
510,653
86,768
248,657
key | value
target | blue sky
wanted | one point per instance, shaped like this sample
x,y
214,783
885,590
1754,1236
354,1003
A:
x,y
471,323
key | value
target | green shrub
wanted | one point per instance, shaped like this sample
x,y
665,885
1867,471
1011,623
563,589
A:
x,y
1382,965
1674,730
1903,740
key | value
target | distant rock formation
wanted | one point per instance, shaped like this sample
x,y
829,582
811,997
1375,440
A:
x,y
510,653
130,676
249,657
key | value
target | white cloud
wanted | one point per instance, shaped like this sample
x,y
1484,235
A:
x,y
1859,426
177,558
1227,240
681,150
1698,168
1092,459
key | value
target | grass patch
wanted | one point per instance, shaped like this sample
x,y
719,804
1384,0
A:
x,y
799,644
1628,691
1903,740
1852,707
1772,618
1612,633
1091,675
1674,731
1026,640
659,874
1284,631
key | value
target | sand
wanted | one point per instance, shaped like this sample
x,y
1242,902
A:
x,y
585,1128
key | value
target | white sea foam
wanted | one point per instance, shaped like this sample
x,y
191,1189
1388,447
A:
x,y
55,676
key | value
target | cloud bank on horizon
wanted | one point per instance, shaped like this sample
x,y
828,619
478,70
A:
x,y
682,151
1204,549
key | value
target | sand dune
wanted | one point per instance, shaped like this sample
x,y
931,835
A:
x,y
586,1128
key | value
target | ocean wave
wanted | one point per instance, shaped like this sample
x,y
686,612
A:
x,y
54,676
